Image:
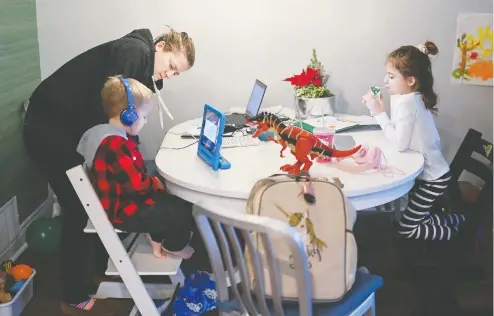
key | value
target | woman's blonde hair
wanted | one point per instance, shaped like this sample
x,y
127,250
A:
x,y
178,42
114,95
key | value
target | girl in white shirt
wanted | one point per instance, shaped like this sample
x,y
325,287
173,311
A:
x,y
409,82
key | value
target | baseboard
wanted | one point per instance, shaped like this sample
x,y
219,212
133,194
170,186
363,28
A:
x,y
19,245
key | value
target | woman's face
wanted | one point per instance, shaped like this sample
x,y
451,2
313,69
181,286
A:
x,y
168,63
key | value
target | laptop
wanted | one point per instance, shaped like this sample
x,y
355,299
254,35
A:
x,y
255,101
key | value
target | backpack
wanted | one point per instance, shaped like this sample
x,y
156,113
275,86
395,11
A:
x,y
326,227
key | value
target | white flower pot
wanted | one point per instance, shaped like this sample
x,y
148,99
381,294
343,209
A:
x,y
314,107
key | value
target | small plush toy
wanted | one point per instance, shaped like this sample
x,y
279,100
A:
x,y
5,297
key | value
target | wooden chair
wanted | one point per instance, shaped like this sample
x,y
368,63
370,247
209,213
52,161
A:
x,y
473,252
129,258
217,227
475,156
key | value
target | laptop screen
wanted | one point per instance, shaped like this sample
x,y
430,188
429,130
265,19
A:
x,y
255,99
211,128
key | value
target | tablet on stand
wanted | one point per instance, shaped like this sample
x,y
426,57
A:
x,y
211,138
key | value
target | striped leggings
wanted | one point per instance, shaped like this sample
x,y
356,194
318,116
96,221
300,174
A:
x,y
418,222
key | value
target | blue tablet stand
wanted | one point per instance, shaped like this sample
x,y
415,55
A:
x,y
213,157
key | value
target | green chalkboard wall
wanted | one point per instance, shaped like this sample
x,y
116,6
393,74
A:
x,y
19,75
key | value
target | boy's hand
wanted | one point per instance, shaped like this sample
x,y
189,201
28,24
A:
x,y
161,186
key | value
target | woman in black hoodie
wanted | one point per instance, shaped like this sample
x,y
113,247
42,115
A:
x,y
68,103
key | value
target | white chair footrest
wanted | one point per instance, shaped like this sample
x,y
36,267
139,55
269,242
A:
x,y
89,229
119,290
147,264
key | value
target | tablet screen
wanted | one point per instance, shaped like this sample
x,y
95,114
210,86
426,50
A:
x,y
210,131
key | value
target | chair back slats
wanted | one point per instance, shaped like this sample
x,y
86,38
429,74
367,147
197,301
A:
x,y
463,159
214,254
477,168
274,274
227,258
256,264
242,269
218,226
470,157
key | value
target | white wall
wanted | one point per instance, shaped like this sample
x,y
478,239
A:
x,y
239,41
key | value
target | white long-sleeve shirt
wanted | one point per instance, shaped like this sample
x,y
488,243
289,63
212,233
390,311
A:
x,y
412,127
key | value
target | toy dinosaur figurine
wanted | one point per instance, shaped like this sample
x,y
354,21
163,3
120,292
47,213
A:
x,y
301,142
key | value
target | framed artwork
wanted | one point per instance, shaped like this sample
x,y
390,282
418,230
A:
x,y
472,61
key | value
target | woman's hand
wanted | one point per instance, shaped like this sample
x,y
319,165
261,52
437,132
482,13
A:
x,y
374,103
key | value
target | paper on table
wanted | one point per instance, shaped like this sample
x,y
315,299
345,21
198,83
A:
x,y
338,124
359,119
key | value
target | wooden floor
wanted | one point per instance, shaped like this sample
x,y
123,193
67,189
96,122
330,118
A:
x,y
418,294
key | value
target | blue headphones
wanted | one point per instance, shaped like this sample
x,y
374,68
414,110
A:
x,y
129,116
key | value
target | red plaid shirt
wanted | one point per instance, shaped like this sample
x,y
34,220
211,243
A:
x,y
121,178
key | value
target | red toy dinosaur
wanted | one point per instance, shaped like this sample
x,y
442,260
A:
x,y
301,142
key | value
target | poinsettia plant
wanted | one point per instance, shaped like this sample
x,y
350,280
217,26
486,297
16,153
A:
x,y
311,82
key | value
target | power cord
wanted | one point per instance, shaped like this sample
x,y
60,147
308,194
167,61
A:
x,y
244,133
178,148
183,147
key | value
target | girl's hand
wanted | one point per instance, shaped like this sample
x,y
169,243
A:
x,y
375,104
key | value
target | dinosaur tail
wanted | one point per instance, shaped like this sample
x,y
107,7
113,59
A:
x,y
331,152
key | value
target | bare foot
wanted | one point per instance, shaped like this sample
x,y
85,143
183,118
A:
x,y
185,253
157,248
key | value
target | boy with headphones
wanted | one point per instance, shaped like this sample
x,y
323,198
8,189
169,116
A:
x,y
134,200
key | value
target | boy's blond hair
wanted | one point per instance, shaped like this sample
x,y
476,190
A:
x,y
114,95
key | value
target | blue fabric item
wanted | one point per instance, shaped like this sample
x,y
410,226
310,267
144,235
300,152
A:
x,y
265,136
197,296
365,284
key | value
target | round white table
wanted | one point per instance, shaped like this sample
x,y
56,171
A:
x,y
190,178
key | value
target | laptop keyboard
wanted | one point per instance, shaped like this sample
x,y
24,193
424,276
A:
x,y
236,119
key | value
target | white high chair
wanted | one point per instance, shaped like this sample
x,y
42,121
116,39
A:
x,y
129,258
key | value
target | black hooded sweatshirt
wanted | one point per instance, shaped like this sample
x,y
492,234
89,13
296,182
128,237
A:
x,y
70,98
